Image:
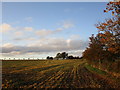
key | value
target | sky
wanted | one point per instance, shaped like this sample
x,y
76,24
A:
x,y
56,0
41,29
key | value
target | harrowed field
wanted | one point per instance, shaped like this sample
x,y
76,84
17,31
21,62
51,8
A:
x,y
54,74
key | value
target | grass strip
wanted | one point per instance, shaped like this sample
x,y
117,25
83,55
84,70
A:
x,y
89,67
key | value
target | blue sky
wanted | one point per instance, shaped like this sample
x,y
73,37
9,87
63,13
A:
x,y
39,29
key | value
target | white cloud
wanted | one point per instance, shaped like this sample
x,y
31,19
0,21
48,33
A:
x,y
59,29
42,45
76,52
7,45
44,32
15,52
19,31
28,29
47,45
68,42
18,34
27,39
5,27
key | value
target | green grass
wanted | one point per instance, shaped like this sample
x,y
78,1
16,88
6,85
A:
x,y
89,67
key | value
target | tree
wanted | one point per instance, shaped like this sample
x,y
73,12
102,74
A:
x,y
49,57
58,56
109,31
96,52
62,55
106,44
73,57
70,57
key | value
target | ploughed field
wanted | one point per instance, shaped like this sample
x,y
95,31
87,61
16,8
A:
x,y
52,74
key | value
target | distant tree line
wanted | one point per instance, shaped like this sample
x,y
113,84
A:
x,y
48,57
63,55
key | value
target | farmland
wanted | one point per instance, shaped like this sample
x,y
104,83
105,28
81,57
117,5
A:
x,y
53,74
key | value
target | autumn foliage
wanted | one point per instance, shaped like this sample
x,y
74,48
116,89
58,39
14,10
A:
x,y
105,46
109,31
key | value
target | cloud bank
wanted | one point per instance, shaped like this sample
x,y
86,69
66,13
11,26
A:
x,y
48,45
39,41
